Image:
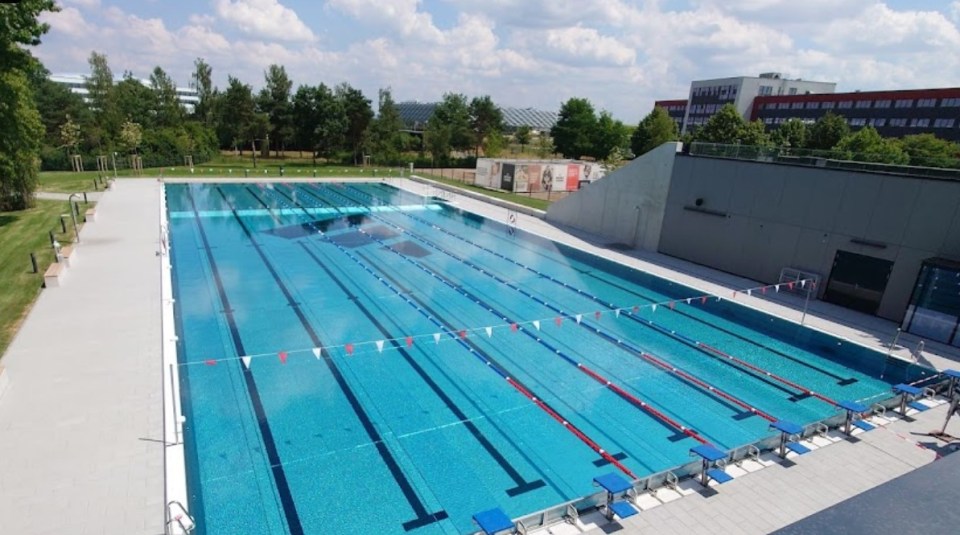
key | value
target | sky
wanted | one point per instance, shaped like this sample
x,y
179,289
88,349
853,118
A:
x,y
622,55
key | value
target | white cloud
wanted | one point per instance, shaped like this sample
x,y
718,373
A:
x,y
83,3
399,16
264,18
588,44
68,20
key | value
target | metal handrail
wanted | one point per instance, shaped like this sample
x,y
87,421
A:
x,y
179,518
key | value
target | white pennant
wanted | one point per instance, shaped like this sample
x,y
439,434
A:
x,y
579,318
688,300
489,331
749,292
617,312
436,338
246,362
777,288
316,352
653,308
803,283
379,346
536,324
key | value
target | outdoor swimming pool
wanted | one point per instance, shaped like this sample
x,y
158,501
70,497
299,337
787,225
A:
x,y
359,359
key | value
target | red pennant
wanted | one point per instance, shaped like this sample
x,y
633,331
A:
x,y
703,300
671,305
734,294
349,348
813,285
409,341
210,362
514,327
463,334
558,320
283,357
790,285
763,290
596,314
636,309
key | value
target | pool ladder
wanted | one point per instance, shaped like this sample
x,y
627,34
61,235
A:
x,y
178,517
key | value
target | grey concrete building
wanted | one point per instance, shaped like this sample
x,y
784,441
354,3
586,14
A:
x,y
885,243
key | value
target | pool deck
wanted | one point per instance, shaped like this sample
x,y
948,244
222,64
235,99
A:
x,y
81,421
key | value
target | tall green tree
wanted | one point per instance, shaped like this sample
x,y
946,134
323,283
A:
x,y
754,133
608,136
167,109
654,130
573,132
274,100
236,114
332,123
100,95
133,100
486,119
359,113
927,150
305,118
792,133
453,111
867,145
21,130
203,82
827,132
384,139
436,139
726,126
522,136
56,102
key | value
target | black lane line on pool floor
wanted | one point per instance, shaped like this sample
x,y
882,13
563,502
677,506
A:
x,y
722,397
522,485
280,478
423,517
794,397
841,381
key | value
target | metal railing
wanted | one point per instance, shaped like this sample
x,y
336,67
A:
x,y
831,159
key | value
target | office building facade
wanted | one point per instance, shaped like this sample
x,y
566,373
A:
x,y
77,83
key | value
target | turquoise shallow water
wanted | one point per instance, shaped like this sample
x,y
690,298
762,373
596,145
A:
x,y
324,430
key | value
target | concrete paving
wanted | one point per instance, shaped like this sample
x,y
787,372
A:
x,y
81,448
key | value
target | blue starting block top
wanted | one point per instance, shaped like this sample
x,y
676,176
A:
x,y
708,452
789,428
493,521
853,406
623,509
613,483
952,373
907,389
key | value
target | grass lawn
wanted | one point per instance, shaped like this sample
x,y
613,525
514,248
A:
x,y
539,204
20,234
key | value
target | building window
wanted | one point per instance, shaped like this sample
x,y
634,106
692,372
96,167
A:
x,y
926,103
798,105
768,120
765,90
793,90
904,103
898,122
950,103
845,104
878,122
863,104
860,121
813,105
923,123
944,123
784,106
881,104
827,105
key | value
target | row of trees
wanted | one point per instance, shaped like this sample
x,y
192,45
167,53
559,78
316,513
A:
x,y
580,132
829,136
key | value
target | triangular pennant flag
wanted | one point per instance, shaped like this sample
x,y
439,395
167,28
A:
x,y
653,307
283,357
463,333
734,294
790,285
558,320
436,338
671,304
579,318
316,352
777,288
803,283
536,324
210,362
688,300
703,300
718,298
616,312
596,314
349,348
636,309
514,327
813,285
763,290
246,362
489,331
379,346
409,341
749,292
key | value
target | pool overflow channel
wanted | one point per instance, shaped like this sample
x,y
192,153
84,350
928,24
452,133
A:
x,y
522,484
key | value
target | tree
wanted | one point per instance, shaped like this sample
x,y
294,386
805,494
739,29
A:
x,y
755,134
167,109
304,117
453,112
70,135
100,95
607,136
928,150
572,133
331,127
654,130
21,131
56,103
522,136
436,139
384,137
203,82
131,99
726,126
131,135
827,132
867,145
236,114
358,113
792,133
486,119
274,100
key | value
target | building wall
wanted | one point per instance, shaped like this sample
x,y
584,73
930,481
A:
x,y
627,205
757,218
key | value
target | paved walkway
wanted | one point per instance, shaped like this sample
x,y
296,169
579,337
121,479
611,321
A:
x,y
81,419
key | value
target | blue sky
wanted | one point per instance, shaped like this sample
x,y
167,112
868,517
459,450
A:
x,y
621,54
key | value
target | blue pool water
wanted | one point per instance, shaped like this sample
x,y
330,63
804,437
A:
x,y
322,431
